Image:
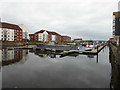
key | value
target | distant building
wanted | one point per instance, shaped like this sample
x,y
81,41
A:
x,y
116,26
32,37
25,32
54,37
77,40
47,36
42,36
10,32
65,39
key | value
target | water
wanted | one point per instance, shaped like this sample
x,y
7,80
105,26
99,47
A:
x,y
35,69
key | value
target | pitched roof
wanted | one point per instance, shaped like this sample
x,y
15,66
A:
x,y
9,26
66,36
49,32
53,33
78,39
31,34
41,31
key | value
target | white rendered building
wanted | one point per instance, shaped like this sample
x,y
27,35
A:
x,y
1,35
7,34
25,32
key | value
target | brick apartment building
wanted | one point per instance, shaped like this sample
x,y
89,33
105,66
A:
x,y
65,39
19,33
32,37
116,23
116,26
53,36
24,32
10,32
48,36
45,36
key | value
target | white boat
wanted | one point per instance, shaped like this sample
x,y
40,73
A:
x,y
88,48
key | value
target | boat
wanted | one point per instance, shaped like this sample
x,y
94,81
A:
x,y
88,48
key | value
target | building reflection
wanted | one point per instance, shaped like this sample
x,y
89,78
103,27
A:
x,y
0,59
115,68
42,54
50,54
13,56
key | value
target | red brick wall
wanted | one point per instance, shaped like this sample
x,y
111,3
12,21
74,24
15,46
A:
x,y
19,35
32,37
49,37
36,36
58,38
65,39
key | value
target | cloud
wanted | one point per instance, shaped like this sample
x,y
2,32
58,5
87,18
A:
x,y
77,18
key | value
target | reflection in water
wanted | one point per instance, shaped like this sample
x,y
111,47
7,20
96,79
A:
x,y
0,69
0,58
55,54
51,54
12,56
48,70
115,69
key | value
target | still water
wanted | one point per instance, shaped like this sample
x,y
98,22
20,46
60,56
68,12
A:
x,y
36,69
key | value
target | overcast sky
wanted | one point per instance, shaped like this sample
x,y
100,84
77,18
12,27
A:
x,y
87,19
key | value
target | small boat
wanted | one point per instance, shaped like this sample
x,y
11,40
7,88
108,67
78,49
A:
x,y
88,49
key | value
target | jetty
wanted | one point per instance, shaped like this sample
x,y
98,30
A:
x,y
23,47
62,49
93,51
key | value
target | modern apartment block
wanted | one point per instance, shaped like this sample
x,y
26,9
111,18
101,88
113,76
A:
x,y
41,35
25,34
32,37
48,36
116,26
19,33
54,37
116,23
66,39
10,32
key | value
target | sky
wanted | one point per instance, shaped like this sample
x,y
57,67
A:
x,y
87,19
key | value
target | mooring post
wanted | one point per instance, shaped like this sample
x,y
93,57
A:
x,y
97,48
97,58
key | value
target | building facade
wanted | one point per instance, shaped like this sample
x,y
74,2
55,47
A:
x,y
77,40
10,32
54,37
32,37
65,39
25,34
47,36
116,23
41,36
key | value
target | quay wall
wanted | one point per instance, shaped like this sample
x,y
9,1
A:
x,y
115,50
